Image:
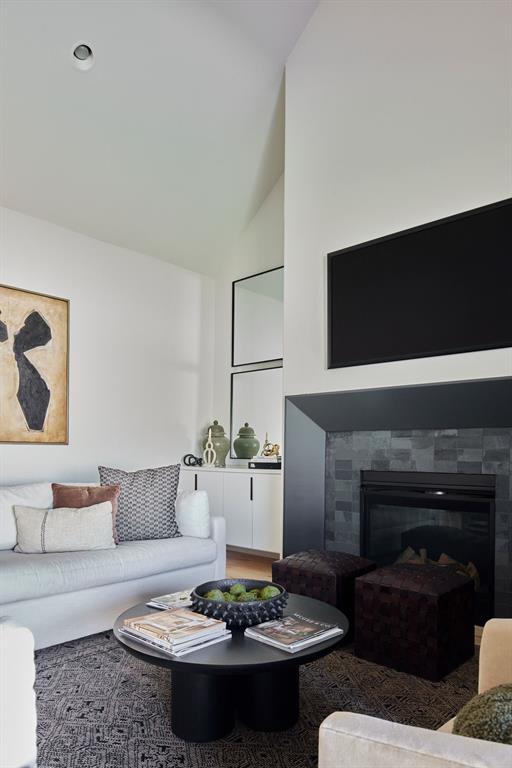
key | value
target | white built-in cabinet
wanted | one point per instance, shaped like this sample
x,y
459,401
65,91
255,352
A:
x,y
250,501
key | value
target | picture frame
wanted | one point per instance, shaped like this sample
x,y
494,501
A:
x,y
34,365
258,333
264,413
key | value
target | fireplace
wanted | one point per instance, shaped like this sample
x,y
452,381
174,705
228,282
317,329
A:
x,y
451,429
434,517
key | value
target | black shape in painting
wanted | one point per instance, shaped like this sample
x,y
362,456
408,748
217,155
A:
x,y
33,392
3,331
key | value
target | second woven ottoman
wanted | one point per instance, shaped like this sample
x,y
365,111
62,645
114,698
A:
x,y
415,618
327,576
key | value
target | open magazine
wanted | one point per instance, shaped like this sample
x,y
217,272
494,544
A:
x,y
172,600
293,633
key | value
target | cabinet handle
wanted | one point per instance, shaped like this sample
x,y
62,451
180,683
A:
x,y
251,491
195,481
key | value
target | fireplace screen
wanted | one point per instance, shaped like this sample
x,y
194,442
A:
x,y
437,518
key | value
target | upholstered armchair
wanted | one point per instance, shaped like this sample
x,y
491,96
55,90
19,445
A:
x,y
348,740
17,697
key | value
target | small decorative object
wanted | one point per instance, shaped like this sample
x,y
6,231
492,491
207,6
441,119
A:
x,y
270,449
189,460
246,444
240,602
34,365
220,443
209,453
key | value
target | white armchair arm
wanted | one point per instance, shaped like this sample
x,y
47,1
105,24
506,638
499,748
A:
x,y
358,741
218,534
495,663
17,697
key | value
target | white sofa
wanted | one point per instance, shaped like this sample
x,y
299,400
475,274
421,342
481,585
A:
x,y
67,595
348,740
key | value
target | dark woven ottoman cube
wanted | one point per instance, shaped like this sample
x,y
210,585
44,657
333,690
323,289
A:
x,y
415,618
327,576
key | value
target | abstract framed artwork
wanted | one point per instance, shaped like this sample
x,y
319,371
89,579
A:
x,y
34,362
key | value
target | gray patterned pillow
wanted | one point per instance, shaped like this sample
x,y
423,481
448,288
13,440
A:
x,y
146,502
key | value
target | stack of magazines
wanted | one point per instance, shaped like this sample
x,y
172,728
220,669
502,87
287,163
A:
x,y
176,631
293,633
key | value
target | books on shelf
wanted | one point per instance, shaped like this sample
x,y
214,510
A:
x,y
293,633
176,631
172,600
265,462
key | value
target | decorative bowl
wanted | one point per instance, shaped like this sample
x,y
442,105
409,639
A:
x,y
239,615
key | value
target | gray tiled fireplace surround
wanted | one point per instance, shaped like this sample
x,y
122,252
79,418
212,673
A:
x,y
479,450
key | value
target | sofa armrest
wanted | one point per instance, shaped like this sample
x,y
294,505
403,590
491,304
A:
x,y
495,664
218,534
17,697
358,741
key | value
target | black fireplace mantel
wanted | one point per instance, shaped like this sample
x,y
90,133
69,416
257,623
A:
x,y
466,404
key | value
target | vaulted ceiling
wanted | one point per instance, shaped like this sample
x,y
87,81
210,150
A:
x,y
170,142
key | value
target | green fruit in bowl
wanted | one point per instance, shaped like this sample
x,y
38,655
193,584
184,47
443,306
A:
x,y
229,598
215,594
237,589
267,592
245,597
255,594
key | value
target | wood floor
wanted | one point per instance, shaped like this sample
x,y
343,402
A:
x,y
240,565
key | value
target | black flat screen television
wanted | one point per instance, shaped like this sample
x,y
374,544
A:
x,y
437,289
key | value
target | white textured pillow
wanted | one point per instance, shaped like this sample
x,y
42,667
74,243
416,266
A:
x,y
193,514
29,495
64,529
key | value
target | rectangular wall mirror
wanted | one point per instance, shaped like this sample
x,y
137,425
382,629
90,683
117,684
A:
x,y
257,398
257,306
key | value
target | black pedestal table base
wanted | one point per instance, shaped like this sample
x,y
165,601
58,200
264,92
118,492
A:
x,y
269,701
202,705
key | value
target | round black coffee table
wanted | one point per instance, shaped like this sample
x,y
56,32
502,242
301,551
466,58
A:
x,y
239,677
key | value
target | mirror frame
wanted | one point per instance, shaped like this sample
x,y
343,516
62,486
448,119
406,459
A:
x,y
233,329
232,435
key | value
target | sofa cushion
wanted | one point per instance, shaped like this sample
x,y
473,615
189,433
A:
x,y
64,529
37,495
29,576
146,501
193,513
78,496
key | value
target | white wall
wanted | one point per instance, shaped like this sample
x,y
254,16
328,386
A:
x,y
397,113
260,247
141,351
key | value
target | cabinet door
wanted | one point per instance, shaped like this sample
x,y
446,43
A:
x,y
267,528
238,509
187,480
212,483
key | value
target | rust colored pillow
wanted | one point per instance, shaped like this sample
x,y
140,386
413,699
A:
x,y
78,496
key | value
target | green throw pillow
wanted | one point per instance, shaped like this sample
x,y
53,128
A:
x,y
488,716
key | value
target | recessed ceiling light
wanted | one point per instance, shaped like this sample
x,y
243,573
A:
x,y
82,52
83,57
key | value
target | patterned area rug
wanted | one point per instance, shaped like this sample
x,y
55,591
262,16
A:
x,y
99,707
